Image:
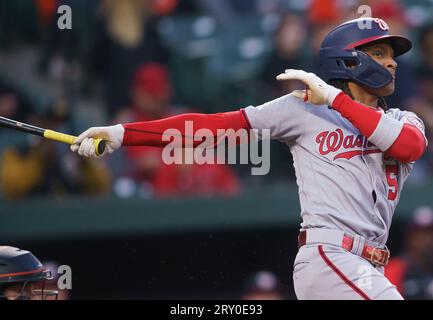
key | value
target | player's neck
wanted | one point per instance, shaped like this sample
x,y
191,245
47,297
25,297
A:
x,y
362,96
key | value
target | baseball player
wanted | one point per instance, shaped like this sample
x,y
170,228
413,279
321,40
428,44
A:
x,y
352,155
22,276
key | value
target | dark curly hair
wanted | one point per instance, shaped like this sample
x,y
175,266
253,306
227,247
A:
x,y
344,86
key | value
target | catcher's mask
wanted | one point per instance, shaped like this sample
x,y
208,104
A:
x,y
22,276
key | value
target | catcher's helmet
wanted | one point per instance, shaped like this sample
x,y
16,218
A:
x,y
341,44
19,267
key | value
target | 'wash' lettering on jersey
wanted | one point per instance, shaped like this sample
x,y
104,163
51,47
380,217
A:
x,y
336,141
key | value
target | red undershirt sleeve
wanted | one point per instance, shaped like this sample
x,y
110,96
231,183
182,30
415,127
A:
x,y
409,146
185,127
401,141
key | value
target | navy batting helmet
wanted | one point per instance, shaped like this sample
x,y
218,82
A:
x,y
20,267
340,59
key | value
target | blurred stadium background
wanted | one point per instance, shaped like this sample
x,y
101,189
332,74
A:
x,y
131,227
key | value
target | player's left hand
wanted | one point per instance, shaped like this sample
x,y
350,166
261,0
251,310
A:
x,y
318,92
85,146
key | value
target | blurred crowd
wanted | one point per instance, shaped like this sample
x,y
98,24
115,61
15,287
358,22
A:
x,y
140,60
412,271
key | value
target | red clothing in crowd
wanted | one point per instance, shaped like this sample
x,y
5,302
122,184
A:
x,y
194,179
395,271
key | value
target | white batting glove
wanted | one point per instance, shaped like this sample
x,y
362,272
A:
x,y
318,92
113,136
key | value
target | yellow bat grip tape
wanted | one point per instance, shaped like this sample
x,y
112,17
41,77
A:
x,y
66,138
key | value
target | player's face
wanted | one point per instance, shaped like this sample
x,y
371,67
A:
x,y
384,55
31,291
17,292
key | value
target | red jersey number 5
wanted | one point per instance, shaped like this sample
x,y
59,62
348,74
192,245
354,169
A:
x,y
391,177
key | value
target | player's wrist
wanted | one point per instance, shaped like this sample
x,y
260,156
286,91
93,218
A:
x,y
333,93
118,133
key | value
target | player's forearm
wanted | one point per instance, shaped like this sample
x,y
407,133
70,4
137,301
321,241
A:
x,y
401,141
151,133
365,119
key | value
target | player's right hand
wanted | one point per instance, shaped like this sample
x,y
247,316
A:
x,y
113,135
318,91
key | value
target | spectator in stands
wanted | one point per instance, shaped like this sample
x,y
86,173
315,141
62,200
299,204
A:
x,y
425,41
425,66
150,96
322,17
164,7
12,105
425,94
63,54
42,167
289,51
290,40
412,273
8,103
126,37
150,100
263,285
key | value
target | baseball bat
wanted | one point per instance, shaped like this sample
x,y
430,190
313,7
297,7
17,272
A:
x,y
48,134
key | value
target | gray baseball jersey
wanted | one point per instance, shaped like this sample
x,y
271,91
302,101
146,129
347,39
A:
x,y
345,182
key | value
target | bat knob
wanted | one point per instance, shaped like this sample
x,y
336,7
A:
x,y
100,146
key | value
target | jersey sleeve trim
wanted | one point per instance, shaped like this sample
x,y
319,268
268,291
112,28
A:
x,y
386,132
246,119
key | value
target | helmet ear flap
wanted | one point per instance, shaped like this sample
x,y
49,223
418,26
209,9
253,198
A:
x,y
369,72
